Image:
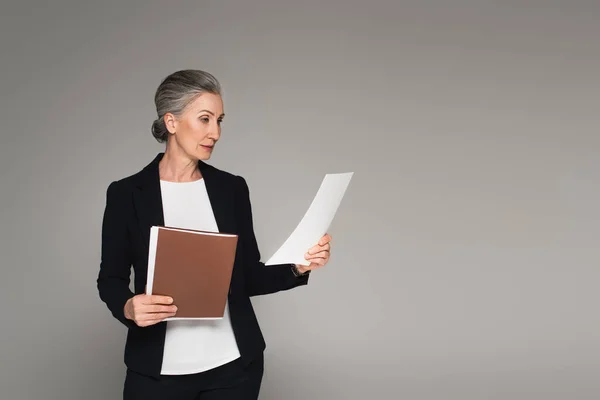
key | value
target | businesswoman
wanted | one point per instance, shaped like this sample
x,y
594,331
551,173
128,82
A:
x,y
182,359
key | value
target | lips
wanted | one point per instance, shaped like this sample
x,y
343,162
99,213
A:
x,y
208,147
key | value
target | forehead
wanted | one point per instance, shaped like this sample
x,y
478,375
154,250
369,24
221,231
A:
x,y
207,101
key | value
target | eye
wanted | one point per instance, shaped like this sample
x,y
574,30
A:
x,y
219,121
204,119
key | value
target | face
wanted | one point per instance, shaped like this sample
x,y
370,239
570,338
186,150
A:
x,y
198,128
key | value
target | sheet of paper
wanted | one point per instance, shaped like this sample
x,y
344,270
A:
x,y
151,259
315,222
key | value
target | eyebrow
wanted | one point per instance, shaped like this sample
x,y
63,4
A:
x,y
211,113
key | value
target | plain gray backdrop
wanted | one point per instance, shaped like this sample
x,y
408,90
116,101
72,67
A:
x,y
465,253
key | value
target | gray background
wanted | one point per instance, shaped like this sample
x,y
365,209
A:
x,y
465,255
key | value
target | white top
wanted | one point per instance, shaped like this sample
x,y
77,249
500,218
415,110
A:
x,y
193,346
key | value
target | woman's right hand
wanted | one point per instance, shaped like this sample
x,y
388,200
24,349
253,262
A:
x,y
146,310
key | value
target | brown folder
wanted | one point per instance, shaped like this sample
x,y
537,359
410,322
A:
x,y
193,267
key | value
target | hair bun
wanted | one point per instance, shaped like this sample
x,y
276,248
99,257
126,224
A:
x,y
159,130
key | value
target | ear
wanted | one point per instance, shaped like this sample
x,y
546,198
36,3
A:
x,y
170,122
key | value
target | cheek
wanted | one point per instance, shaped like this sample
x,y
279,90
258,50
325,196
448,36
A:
x,y
199,130
195,131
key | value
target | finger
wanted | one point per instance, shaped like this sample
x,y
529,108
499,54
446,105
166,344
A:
x,y
313,266
153,316
151,322
317,249
321,254
157,299
325,239
319,261
316,262
158,308
316,259
314,249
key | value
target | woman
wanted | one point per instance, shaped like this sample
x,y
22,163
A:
x,y
182,359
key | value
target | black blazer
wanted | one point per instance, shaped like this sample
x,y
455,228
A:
x,y
133,205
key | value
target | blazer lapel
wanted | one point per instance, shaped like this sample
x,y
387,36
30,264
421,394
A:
x,y
222,203
221,200
148,201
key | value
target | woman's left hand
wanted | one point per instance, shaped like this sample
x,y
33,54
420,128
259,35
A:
x,y
318,255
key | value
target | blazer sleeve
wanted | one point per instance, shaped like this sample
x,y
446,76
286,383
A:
x,y
260,279
115,265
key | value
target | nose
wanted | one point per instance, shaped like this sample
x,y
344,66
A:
x,y
215,132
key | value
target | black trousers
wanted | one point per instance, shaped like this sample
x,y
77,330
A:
x,y
232,381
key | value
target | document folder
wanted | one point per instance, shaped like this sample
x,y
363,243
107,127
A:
x,y
193,267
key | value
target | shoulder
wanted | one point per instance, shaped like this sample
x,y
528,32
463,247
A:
x,y
219,173
123,188
124,185
228,179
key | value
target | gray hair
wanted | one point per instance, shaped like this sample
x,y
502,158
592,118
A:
x,y
178,90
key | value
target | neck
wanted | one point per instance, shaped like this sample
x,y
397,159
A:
x,y
176,166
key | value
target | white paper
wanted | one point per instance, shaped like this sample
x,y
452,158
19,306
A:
x,y
151,259
316,221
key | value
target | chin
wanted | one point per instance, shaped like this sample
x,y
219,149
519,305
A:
x,y
203,155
